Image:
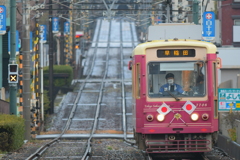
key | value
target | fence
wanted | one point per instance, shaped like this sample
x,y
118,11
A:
x,y
224,141
230,147
238,131
223,127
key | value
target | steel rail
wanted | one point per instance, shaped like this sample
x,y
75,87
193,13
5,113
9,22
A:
x,y
94,9
100,80
88,149
123,89
43,148
84,136
89,74
204,157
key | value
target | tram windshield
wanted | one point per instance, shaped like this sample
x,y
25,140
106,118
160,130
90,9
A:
x,y
176,79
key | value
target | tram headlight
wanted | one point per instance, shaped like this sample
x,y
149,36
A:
x,y
160,117
194,116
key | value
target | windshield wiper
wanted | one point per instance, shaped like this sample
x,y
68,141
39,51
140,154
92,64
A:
x,y
176,98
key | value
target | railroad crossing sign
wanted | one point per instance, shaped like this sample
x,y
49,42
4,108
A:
x,y
229,98
55,26
2,19
208,26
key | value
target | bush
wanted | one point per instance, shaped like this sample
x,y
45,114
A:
x,y
230,120
46,101
233,134
59,82
11,132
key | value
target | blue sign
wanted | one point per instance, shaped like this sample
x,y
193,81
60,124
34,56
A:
x,y
158,19
55,25
66,28
43,32
229,99
3,18
17,42
208,26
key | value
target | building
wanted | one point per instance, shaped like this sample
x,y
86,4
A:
x,y
229,15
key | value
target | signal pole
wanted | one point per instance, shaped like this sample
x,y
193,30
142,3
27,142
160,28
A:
x,y
12,60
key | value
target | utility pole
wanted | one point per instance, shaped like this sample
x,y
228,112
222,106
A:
x,y
62,54
195,11
62,41
70,38
26,65
51,60
168,10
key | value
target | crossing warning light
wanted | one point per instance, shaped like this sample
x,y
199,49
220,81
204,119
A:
x,y
12,73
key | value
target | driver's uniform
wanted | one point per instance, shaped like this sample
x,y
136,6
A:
x,y
166,87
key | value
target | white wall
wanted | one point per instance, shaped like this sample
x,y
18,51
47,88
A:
x,y
230,64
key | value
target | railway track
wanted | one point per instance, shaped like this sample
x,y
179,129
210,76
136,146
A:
x,y
101,97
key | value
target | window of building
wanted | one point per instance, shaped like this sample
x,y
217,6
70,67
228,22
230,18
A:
x,y
236,22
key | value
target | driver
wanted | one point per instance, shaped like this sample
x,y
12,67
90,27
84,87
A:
x,y
170,85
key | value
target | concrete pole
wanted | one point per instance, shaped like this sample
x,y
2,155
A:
x,y
51,60
12,60
195,11
41,73
62,58
175,7
70,34
238,80
26,66
168,10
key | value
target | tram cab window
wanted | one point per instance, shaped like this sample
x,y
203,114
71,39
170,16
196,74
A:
x,y
188,79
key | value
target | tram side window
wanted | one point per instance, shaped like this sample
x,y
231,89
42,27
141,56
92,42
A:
x,y
137,85
166,79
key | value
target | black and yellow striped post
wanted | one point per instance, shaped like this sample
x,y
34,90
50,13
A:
x,y
35,92
20,108
66,48
40,113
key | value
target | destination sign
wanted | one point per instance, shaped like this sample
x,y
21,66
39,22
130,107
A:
x,y
176,53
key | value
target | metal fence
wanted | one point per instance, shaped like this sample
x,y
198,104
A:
x,y
238,130
230,147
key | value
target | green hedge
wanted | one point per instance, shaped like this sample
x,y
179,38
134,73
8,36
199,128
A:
x,y
46,102
59,82
11,132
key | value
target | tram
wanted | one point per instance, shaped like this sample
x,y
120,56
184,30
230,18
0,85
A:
x,y
174,90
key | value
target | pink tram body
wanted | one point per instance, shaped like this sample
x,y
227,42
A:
x,y
166,119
